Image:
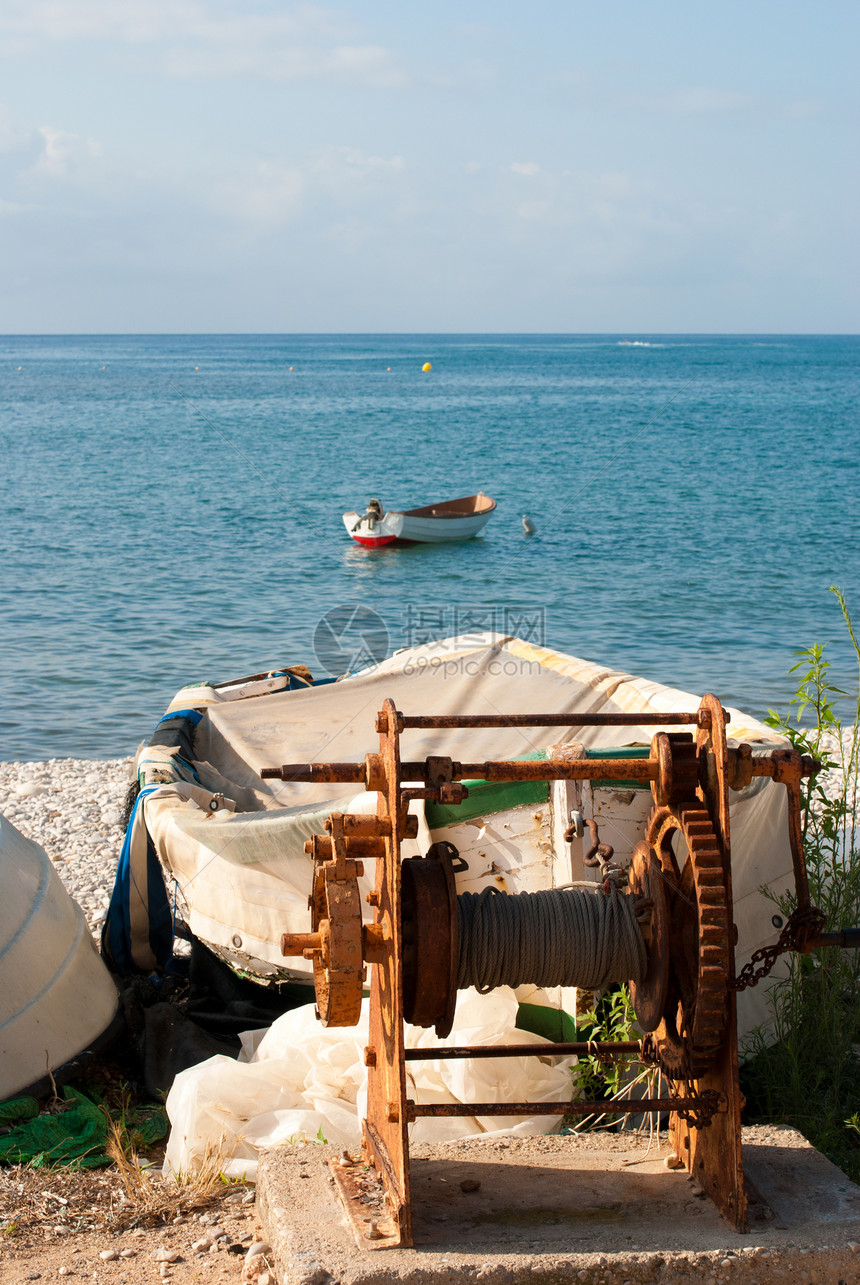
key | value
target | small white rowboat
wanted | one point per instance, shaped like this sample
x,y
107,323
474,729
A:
x,y
432,524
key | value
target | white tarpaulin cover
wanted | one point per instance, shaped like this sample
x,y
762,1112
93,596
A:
x,y
240,874
300,1081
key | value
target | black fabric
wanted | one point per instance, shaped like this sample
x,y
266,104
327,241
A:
x,y
177,1021
176,731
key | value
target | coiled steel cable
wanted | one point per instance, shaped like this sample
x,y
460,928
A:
x,y
561,937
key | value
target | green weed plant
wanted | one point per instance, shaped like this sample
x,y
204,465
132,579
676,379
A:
x,y
612,1019
803,1068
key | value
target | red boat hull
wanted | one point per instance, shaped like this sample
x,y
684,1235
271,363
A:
x,y
374,542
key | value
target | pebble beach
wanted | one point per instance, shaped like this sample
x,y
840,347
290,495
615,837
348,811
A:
x,y
74,809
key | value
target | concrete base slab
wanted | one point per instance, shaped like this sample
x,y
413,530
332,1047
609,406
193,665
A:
x,y
598,1208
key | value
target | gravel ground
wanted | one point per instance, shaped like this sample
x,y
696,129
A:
x,y
58,1224
74,809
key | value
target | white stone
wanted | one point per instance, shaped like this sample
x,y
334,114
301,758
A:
x,y
258,1247
30,789
164,1255
108,1255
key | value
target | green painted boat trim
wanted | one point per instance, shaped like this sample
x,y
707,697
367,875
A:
x,y
487,797
552,1023
625,752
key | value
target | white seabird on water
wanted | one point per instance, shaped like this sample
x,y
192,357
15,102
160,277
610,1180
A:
x,y
528,525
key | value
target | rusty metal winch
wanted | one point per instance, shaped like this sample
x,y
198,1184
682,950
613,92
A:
x,y
678,889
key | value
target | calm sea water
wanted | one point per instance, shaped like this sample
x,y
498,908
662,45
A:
x,y
171,509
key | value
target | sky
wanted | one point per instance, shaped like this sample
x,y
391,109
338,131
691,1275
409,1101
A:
x,y
187,166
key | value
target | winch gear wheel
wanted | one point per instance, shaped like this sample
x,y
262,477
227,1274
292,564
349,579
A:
x,y
694,1021
338,965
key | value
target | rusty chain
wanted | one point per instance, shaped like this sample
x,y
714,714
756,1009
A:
x,y
707,1104
803,925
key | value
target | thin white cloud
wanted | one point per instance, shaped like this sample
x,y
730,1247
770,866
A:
x,y
352,64
141,21
267,197
63,153
353,163
190,39
527,168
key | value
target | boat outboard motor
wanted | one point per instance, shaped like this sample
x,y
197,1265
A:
x,y
372,514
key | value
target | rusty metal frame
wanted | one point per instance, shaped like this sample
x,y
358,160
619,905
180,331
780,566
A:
x,y
705,1107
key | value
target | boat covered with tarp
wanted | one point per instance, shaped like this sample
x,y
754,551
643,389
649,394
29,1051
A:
x,y
218,851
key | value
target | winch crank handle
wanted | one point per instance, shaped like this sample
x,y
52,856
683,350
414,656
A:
x,y
846,939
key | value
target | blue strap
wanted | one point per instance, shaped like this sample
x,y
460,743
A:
x,y
117,930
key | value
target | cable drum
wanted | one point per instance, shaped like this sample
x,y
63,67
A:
x,y
561,937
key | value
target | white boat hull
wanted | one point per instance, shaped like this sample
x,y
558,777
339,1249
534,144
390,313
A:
x,y
401,528
57,996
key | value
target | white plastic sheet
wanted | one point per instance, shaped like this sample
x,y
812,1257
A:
x,y
300,1081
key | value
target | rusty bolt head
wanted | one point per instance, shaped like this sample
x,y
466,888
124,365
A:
x,y
370,1056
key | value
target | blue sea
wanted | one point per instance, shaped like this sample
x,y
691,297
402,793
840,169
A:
x,y
171,510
